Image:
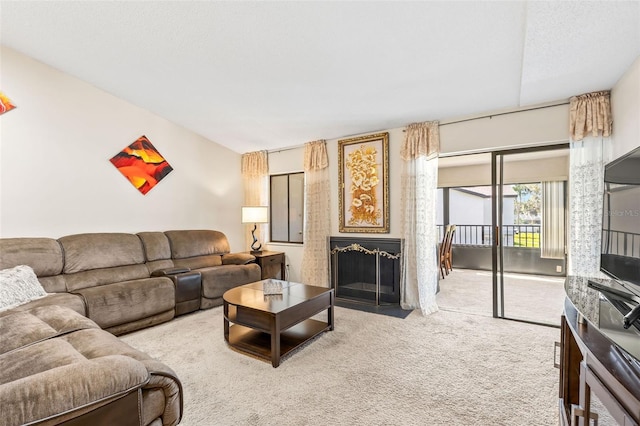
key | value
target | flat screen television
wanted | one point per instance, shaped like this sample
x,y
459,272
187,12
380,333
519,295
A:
x,y
620,254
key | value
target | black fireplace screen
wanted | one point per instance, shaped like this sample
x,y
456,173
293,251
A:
x,y
366,269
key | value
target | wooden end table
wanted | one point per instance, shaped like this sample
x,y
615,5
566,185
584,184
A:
x,y
271,263
271,326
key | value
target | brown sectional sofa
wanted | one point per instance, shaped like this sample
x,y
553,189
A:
x,y
60,361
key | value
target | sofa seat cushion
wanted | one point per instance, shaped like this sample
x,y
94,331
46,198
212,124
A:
x,y
23,328
217,280
119,303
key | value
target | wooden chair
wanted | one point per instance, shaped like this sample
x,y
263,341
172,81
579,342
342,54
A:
x,y
443,251
448,257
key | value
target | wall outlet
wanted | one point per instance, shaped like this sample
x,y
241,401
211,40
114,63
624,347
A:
x,y
559,268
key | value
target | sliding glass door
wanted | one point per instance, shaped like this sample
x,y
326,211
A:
x,y
528,235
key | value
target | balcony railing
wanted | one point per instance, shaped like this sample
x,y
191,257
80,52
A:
x,y
482,235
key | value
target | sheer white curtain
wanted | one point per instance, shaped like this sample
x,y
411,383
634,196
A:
x,y
419,271
552,236
586,172
590,146
317,215
255,177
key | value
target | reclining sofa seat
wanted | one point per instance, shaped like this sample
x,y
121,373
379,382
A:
x,y
58,367
108,270
209,253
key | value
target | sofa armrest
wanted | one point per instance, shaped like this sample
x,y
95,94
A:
x,y
164,378
169,271
76,387
237,258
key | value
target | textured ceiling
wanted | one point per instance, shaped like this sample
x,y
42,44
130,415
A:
x,y
267,75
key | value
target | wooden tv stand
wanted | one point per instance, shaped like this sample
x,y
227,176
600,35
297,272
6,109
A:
x,y
591,363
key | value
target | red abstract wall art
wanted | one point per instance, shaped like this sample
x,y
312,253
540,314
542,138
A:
x,y
5,104
142,164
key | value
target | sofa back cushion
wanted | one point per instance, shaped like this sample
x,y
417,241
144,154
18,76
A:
x,y
156,246
157,250
83,252
43,255
102,258
197,249
192,243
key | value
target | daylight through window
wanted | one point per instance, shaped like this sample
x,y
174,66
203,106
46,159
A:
x,y
287,207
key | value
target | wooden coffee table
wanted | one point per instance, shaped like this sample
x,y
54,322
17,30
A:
x,y
271,326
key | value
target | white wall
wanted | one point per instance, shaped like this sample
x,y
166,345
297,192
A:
x,y
468,209
625,108
56,178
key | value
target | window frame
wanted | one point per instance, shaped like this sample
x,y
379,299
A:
x,y
271,206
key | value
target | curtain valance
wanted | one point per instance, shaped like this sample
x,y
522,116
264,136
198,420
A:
x,y
255,164
421,140
315,155
590,112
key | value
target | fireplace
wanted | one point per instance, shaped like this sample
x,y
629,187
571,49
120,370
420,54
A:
x,y
366,270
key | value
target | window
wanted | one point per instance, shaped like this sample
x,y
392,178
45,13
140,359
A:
x,y
287,207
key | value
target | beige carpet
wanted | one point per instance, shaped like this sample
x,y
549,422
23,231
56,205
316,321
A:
x,y
444,369
527,297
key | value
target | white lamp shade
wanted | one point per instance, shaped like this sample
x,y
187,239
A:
x,y
257,214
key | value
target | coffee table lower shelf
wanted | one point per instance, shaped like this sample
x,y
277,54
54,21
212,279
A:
x,y
258,343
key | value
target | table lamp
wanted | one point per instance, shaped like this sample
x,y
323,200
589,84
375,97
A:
x,y
255,215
